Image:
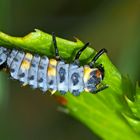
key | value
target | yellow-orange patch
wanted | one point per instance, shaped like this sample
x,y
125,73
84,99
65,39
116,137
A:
x,y
52,91
51,71
87,71
53,62
98,73
25,64
28,56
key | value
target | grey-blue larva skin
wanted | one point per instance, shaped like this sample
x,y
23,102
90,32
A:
x,y
52,74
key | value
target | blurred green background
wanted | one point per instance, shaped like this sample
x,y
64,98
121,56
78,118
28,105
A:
x,y
113,24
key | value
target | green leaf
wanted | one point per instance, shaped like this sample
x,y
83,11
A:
x,y
41,43
110,113
134,117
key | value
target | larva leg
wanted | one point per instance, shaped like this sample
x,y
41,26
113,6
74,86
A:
x,y
102,51
3,66
100,89
55,47
76,60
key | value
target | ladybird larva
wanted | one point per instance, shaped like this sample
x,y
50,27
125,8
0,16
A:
x,y
54,74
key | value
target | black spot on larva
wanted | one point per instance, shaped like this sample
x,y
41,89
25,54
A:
x,y
12,70
36,55
75,78
21,75
76,92
93,80
41,67
93,73
43,57
31,77
51,82
62,73
33,65
15,59
62,92
21,52
5,51
40,80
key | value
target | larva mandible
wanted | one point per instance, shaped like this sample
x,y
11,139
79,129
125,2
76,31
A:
x,y
54,74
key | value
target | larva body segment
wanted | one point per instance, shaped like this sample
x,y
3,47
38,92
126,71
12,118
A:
x,y
15,65
62,77
42,76
32,74
24,68
52,75
76,84
11,57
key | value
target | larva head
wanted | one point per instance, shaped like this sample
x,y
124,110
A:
x,y
93,77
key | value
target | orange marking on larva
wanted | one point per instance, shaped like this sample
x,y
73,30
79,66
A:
x,y
28,56
87,71
53,62
25,64
98,73
52,67
51,71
